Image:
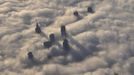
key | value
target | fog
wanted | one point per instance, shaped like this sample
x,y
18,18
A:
x,y
101,43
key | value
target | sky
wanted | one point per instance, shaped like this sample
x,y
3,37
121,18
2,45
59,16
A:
x,y
101,43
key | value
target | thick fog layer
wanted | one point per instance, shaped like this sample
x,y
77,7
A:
x,y
101,43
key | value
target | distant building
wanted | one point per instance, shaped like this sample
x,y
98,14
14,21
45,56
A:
x,y
66,45
47,44
52,38
76,13
90,9
63,31
30,56
37,29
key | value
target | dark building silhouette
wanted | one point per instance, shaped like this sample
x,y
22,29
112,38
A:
x,y
90,9
66,46
63,31
30,56
52,38
47,44
76,14
37,29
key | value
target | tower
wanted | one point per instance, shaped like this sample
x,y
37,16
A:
x,y
52,38
90,9
66,46
37,29
30,55
76,13
63,31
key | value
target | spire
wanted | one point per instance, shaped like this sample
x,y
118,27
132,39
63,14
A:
x,y
37,29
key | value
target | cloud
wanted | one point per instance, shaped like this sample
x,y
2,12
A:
x,y
101,43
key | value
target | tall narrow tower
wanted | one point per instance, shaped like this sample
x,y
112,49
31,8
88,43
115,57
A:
x,y
63,31
37,29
